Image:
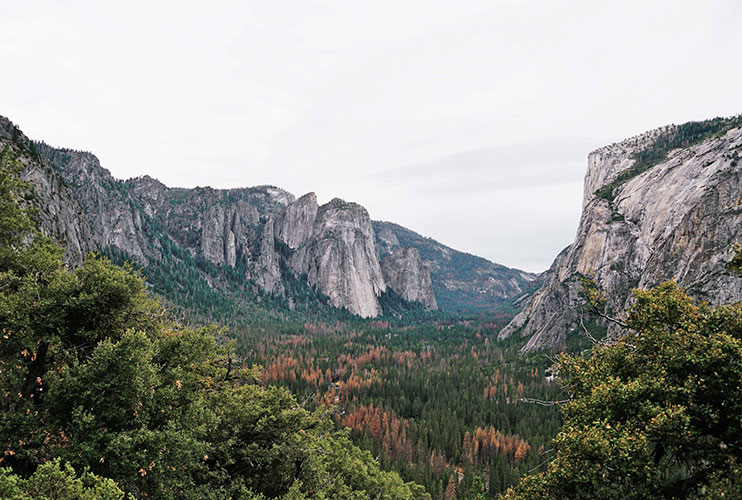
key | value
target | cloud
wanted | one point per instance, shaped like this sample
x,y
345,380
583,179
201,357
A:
x,y
537,164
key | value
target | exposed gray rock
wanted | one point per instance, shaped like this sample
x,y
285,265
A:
x,y
295,226
261,231
405,273
60,216
225,231
678,220
386,240
549,305
341,258
267,271
605,163
224,226
109,209
334,244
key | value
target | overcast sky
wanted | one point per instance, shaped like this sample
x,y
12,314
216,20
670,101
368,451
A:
x,y
466,121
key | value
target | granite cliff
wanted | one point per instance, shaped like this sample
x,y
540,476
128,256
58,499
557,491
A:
x,y
261,235
339,255
663,205
60,215
406,274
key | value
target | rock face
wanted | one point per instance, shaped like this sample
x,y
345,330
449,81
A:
x,y
267,271
260,235
460,281
332,245
147,220
405,273
253,229
340,257
60,216
677,220
296,224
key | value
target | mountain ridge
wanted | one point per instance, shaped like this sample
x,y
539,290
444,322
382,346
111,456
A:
x,y
261,232
461,280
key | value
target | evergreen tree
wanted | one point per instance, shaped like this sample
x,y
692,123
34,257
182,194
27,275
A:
x,y
655,415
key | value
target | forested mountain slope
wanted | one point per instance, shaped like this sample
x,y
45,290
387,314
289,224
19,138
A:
x,y
461,281
228,429
95,373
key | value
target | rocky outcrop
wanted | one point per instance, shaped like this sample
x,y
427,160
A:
x,y
677,220
332,245
461,281
251,236
340,258
267,270
550,304
226,232
405,273
296,224
60,215
386,241
108,208
137,216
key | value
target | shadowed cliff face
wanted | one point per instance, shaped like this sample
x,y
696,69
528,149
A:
x,y
60,214
677,220
296,225
406,274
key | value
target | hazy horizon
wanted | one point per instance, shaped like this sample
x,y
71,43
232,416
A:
x,y
470,125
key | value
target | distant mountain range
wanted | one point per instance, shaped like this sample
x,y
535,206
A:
x,y
260,238
461,281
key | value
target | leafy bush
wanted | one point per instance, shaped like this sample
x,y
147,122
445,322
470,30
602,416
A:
x,y
54,481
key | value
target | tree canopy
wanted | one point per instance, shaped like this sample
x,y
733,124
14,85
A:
x,y
138,403
657,413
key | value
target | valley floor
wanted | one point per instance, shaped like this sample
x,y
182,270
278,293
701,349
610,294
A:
x,y
437,401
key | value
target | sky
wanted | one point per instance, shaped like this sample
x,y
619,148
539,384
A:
x,y
469,122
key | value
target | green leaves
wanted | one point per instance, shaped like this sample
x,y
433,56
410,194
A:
x,y
54,481
735,265
655,415
158,408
